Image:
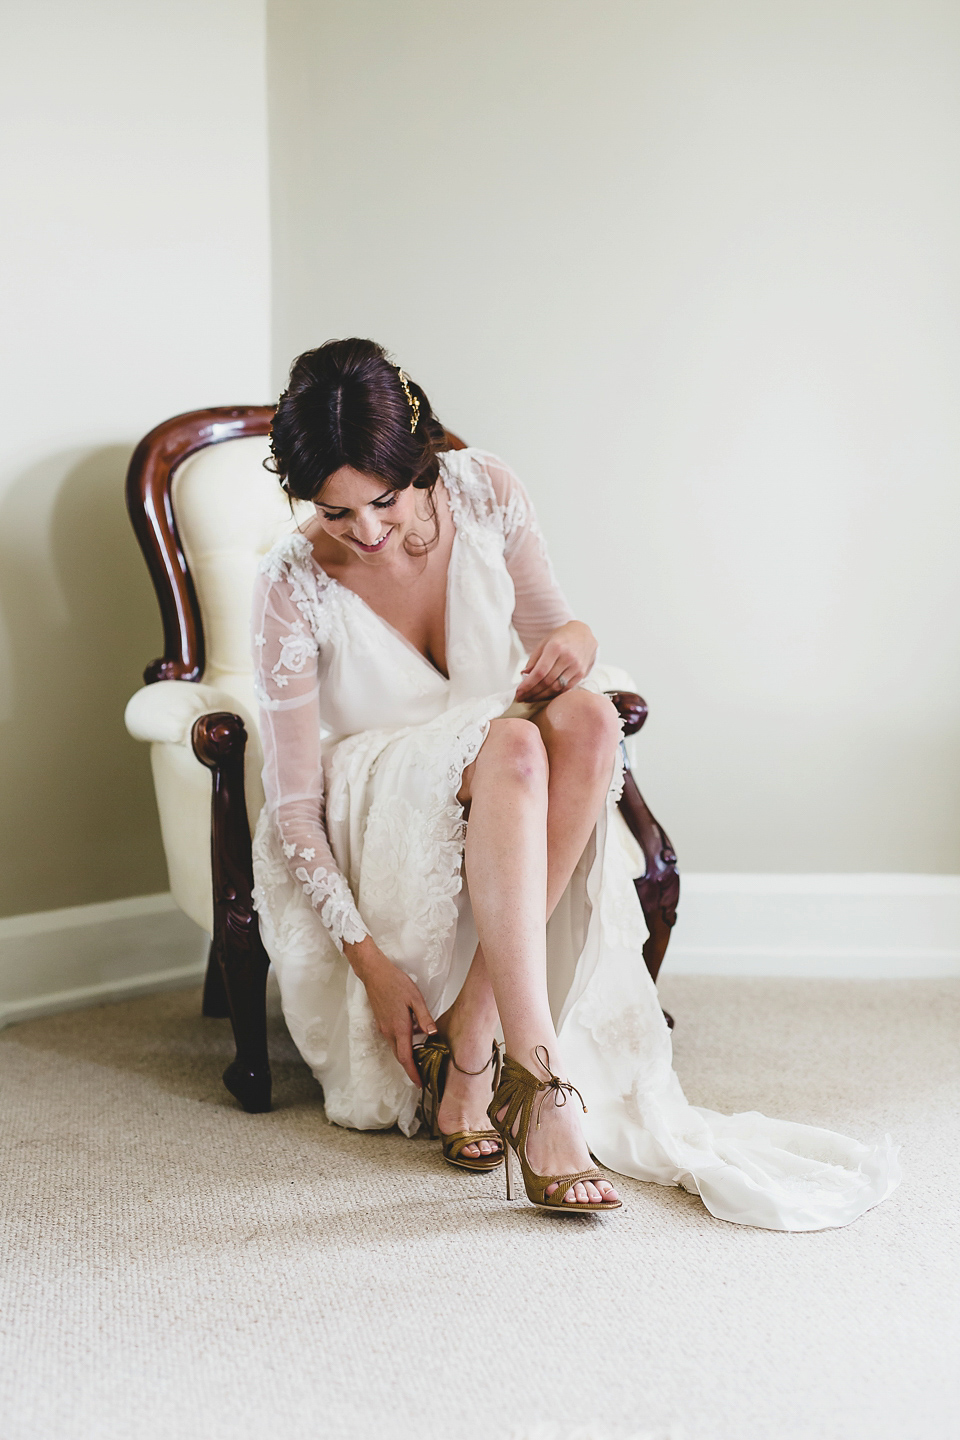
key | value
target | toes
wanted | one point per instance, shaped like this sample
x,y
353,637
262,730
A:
x,y
476,1148
586,1192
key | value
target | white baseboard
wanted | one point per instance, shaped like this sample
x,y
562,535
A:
x,y
89,954
841,926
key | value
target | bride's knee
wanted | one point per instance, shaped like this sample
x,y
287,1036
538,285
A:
x,y
585,722
513,750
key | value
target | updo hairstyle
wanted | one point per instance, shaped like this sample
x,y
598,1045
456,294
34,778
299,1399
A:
x,y
345,404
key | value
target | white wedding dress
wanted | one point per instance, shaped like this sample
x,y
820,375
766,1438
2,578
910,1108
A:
x,y
365,743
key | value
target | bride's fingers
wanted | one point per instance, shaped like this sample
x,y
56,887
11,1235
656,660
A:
x,y
534,658
535,675
535,688
422,1017
403,1049
561,677
563,669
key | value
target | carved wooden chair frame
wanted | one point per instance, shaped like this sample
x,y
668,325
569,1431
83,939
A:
x,y
235,984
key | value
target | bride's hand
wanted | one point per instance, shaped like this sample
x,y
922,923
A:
x,y
397,1004
561,661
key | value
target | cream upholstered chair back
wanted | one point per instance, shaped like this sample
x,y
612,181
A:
x,y
229,512
206,511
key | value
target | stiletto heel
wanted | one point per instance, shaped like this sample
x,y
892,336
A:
x,y
506,1168
515,1097
432,1059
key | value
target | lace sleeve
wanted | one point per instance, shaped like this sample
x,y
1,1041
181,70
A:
x,y
285,666
540,606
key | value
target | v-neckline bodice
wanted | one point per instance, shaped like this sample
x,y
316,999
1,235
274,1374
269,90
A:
x,y
392,629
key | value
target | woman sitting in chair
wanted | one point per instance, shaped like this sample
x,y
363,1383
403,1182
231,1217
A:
x,y
390,635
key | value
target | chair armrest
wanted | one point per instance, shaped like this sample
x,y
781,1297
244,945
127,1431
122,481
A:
x,y
658,887
631,708
165,712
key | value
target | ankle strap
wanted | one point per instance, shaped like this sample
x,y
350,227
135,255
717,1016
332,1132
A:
x,y
562,1089
525,1084
494,1061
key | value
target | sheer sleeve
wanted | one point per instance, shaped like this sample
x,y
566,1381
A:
x,y
541,606
285,664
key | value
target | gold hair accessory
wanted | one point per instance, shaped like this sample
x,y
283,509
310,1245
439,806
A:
x,y
412,399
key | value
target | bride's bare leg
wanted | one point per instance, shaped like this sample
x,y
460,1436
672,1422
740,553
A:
x,y
580,733
523,787
507,789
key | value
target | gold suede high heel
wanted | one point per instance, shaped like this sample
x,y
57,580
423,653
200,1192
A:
x,y
515,1096
432,1059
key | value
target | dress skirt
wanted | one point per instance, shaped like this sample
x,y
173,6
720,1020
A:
x,y
397,830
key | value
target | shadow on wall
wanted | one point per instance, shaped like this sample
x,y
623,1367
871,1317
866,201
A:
x,y
80,623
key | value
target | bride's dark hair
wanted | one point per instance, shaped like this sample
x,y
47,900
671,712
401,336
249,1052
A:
x,y
347,404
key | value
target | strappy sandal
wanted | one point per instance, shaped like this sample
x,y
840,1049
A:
x,y
515,1096
432,1059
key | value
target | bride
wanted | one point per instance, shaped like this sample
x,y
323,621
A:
x,y
437,860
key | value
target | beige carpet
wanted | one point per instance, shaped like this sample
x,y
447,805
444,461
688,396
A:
x,y
174,1268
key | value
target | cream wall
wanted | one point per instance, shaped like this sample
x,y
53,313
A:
x,y
134,262
693,269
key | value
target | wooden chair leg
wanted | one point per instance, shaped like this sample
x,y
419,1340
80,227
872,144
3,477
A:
x,y
658,888
236,951
215,1005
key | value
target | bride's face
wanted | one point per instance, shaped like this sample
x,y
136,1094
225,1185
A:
x,y
365,515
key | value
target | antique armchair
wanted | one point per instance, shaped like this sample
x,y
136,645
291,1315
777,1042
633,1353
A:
x,y
205,511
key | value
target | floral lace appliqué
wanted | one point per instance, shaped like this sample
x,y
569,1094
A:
x,y
296,651
493,528
330,895
478,517
312,591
